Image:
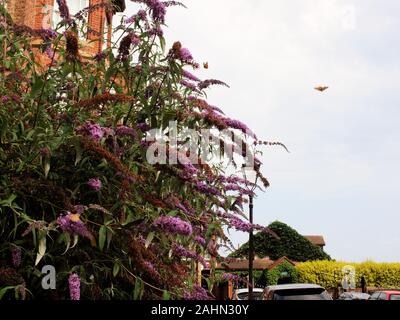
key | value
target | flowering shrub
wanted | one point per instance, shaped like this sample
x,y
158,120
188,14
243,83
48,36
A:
x,y
76,189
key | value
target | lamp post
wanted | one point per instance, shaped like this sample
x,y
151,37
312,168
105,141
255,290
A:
x,y
250,175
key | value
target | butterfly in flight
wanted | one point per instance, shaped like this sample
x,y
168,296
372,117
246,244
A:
x,y
205,64
321,88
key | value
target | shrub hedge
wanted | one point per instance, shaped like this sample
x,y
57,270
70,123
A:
x,y
329,273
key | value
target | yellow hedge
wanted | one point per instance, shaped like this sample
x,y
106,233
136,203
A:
x,y
329,273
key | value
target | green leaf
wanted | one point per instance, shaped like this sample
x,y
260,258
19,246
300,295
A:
x,y
42,246
109,237
76,238
67,239
4,290
78,149
36,86
116,269
46,167
162,43
149,239
138,291
8,202
102,237
166,295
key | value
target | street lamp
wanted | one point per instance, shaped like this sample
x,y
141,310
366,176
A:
x,y
251,176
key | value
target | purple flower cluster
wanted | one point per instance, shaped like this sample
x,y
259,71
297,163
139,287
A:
x,y
49,52
236,124
206,83
158,10
74,283
235,179
206,189
189,168
93,130
198,293
135,39
240,225
232,277
140,15
235,187
100,56
125,131
156,31
190,76
15,98
16,253
47,33
231,186
175,202
64,11
185,55
143,126
200,240
151,270
188,85
173,225
73,226
181,251
79,209
95,184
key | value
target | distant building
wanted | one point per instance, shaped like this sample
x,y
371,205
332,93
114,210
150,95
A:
x,y
38,14
317,240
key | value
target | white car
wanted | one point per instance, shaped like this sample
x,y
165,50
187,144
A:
x,y
296,291
243,294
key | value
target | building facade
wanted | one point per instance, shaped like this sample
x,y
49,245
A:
x,y
38,14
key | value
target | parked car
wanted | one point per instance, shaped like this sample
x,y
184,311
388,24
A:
x,y
243,294
296,291
354,296
385,295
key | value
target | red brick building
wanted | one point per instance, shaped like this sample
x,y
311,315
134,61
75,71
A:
x,y
44,14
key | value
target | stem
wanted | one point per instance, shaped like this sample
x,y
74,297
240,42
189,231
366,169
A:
x,y
44,82
146,283
138,84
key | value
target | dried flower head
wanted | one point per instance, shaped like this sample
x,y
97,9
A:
x,y
72,46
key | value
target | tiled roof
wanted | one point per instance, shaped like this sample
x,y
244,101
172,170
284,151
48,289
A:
x,y
258,264
317,240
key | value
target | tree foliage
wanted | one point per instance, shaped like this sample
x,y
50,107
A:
x,y
291,244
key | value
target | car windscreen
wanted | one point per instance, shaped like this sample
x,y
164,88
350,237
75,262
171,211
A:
x,y
245,295
395,297
301,294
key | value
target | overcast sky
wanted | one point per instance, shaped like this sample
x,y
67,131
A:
x,y
341,178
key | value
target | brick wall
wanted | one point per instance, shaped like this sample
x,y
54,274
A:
x,y
37,14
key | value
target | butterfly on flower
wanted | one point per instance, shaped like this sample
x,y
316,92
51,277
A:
x,y
75,217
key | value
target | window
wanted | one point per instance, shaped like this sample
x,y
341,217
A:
x,y
382,296
395,297
74,7
375,296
